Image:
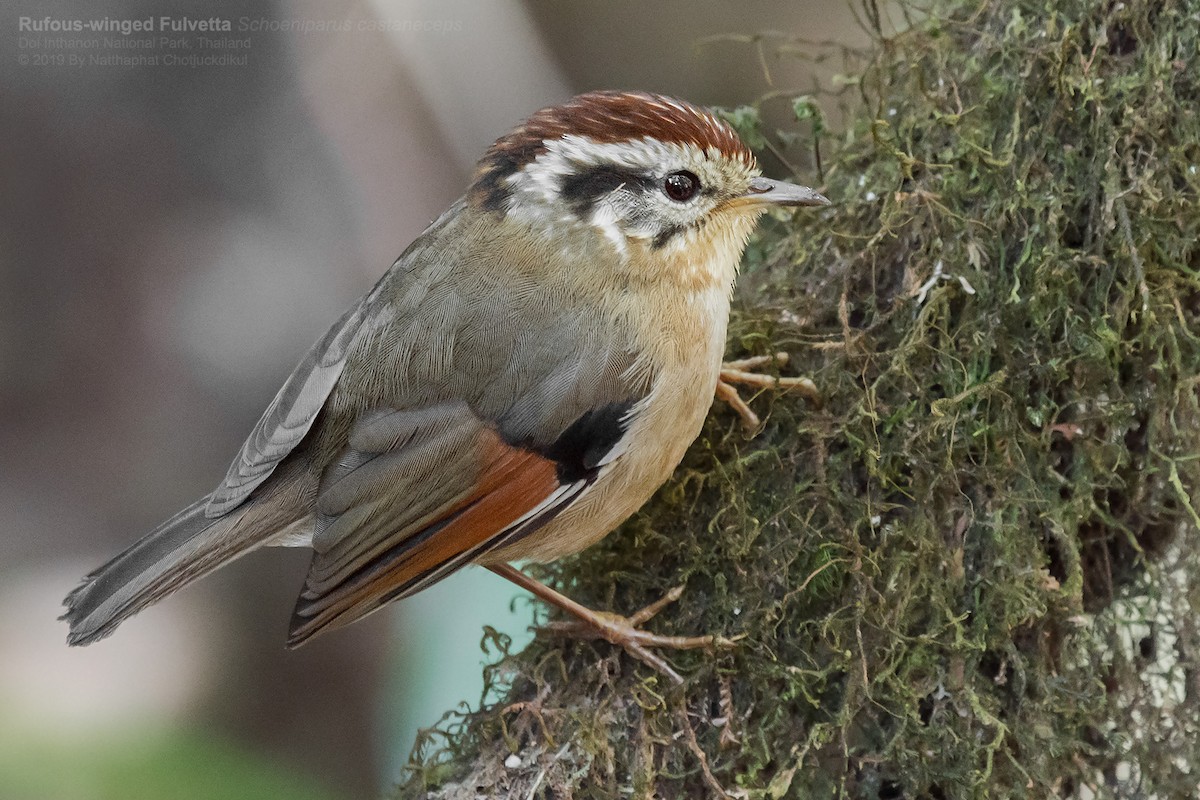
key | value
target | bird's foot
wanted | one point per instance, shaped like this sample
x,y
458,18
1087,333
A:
x,y
743,372
614,628
626,632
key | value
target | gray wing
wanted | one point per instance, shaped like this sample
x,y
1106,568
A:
x,y
290,415
205,535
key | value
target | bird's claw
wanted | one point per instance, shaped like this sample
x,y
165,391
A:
x,y
625,633
743,372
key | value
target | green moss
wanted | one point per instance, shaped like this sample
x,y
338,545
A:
x,y
968,574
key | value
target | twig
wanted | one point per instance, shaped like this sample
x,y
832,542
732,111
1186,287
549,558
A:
x,y
689,738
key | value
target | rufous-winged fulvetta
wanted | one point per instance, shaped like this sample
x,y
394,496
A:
x,y
520,381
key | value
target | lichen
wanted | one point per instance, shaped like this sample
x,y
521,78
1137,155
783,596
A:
x,y
971,571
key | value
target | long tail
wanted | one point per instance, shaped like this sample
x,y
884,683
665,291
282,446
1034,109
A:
x,y
185,548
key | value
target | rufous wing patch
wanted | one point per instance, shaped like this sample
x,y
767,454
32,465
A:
x,y
511,482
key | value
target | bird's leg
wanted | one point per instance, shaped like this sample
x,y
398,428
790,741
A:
x,y
742,371
618,630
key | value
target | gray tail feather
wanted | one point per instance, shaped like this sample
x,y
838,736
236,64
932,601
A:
x,y
185,548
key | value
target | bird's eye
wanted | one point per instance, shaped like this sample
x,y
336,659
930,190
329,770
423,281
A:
x,y
681,186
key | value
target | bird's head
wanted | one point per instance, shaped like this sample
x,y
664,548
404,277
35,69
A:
x,y
663,185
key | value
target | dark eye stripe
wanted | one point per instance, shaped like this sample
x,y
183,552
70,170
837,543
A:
x,y
581,191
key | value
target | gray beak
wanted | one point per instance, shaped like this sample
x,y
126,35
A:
x,y
779,193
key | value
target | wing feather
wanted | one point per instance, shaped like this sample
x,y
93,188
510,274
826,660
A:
x,y
448,488
290,415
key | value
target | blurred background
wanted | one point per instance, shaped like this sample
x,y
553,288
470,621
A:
x,y
179,221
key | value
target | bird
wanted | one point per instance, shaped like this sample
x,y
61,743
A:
x,y
519,382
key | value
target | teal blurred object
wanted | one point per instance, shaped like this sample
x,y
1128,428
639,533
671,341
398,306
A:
x,y
143,764
440,662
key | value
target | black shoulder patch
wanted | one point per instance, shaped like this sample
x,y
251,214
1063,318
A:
x,y
580,448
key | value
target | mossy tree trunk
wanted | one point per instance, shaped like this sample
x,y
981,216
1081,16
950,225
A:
x,y
973,571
